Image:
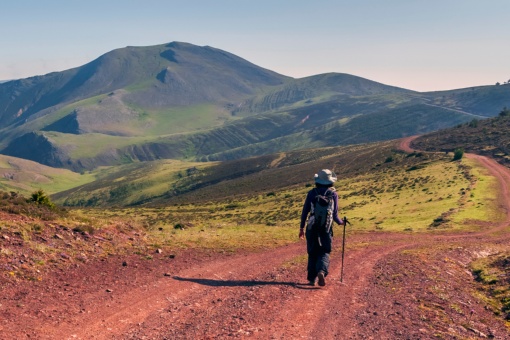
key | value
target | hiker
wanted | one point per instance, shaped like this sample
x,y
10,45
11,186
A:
x,y
319,231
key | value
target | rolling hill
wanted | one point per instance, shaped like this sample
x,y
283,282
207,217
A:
x,y
24,176
166,182
186,102
489,137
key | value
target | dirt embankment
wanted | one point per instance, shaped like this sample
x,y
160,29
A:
x,y
396,286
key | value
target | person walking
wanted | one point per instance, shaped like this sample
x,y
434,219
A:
x,y
319,212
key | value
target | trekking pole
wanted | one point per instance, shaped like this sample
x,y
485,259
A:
x,y
343,250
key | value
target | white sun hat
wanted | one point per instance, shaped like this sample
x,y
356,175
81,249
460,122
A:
x,y
325,177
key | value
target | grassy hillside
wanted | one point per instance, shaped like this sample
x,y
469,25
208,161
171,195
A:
x,y
490,137
175,74
130,184
338,122
172,182
222,206
316,89
379,190
25,177
485,101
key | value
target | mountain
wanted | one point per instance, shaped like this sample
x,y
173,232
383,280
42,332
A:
x,y
181,101
172,75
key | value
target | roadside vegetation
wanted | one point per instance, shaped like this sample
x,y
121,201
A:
x,y
487,137
492,272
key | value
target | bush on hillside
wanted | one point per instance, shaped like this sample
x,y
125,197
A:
x,y
473,123
41,198
505,112
458,154
38,205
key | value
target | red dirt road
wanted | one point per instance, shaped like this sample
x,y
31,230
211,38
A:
x,y
396,286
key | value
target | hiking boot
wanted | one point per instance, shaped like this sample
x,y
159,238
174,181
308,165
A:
x,y
311,282
322,280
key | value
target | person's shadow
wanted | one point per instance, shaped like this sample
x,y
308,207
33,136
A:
x,y
243,283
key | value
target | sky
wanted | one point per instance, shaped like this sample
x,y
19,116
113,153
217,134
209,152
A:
x,y
422,45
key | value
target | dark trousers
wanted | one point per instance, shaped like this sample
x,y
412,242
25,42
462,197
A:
x,y
318,247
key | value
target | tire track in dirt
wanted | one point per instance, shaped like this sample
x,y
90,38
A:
x,y
137,305
169,307
327,313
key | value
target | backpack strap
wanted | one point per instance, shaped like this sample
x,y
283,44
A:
x,y
330,191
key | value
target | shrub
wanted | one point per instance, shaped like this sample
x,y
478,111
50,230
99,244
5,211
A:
x,y
505,112
41,198
473,123
458,154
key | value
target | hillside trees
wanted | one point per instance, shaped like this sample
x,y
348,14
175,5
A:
x,y
505,112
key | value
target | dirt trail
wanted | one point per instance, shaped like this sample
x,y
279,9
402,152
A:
x,y
250,295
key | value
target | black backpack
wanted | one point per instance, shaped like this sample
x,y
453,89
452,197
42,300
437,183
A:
x,y
323,207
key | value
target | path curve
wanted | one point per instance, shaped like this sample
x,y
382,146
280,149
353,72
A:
x,y
199,296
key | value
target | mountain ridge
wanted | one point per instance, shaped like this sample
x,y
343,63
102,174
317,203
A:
x,y
183,101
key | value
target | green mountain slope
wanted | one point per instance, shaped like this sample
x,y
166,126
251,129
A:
x,y
25,177
181,101
175,74
485,101
174,181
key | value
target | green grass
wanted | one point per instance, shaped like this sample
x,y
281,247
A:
x,y
45,120
481,200
92,144
228,237
376,194
131,184
401,200
166,122
25,177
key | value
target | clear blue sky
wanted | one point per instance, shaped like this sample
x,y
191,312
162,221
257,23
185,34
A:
x,y
422,45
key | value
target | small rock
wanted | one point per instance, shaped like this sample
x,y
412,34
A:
x,y
478,333
5,237
172,256
167,274
124,264
159,251
60,237
109,291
